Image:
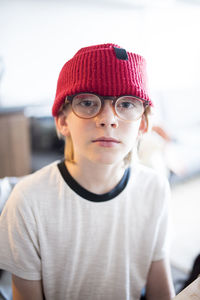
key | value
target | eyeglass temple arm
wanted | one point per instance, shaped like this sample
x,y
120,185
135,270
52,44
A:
x,y
146,103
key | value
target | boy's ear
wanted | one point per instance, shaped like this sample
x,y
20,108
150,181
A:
x,y
62,125
143,124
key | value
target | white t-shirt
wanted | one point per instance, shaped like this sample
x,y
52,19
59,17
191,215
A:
x,y
85,246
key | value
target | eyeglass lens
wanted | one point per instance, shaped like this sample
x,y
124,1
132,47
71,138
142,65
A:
x,y
89,105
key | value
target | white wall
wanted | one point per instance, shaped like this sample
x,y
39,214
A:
x,y
37,37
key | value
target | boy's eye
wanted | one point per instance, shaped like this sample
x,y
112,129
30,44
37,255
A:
x,y
87,103
126,105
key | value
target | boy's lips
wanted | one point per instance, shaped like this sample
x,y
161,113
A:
x,y
106,140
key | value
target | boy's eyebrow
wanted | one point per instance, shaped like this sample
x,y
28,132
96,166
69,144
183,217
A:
x,y
101,97
109,97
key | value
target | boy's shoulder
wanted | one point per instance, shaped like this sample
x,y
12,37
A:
x,y
143,170
147,176
40,178
150,187
33,188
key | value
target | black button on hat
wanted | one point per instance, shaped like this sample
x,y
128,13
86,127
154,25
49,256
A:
x,y
121,53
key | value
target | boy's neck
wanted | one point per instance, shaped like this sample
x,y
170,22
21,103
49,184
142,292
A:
x,y
96,179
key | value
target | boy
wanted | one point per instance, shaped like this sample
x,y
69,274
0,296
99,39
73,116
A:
x,y
92,227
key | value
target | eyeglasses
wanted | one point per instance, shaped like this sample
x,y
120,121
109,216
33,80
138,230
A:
x,y
88,105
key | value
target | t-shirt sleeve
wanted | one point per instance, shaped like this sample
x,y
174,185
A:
x,y
162,232
19,252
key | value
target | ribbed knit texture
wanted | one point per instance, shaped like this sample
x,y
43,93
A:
x,y
96,69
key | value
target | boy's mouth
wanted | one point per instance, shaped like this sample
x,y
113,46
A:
x,y
106,139
106,142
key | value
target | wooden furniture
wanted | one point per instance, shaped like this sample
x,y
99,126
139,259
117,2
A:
x,y
192,292
15,156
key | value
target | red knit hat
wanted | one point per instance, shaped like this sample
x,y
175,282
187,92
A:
x,y
107,70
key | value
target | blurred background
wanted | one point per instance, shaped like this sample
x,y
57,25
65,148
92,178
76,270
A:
x,y
38,36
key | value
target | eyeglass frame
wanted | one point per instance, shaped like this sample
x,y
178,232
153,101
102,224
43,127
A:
x,y
102,99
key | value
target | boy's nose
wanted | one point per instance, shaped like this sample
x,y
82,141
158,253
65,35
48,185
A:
x,y
107,116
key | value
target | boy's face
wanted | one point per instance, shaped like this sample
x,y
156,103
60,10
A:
x,y
104,139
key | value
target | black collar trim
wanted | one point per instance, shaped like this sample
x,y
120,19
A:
x,y
76,187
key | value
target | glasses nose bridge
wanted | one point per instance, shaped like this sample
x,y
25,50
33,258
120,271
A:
x,y
108,102
107,115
